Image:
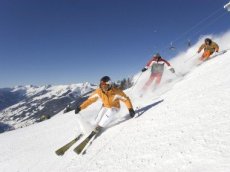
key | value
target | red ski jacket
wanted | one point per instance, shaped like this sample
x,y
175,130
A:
x,y
157,65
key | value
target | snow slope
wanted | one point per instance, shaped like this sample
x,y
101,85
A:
x,y
184,126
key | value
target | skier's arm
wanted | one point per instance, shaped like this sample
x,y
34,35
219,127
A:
x,y
201,48
93,98
166,62
124,98
150,63
169,66
216,47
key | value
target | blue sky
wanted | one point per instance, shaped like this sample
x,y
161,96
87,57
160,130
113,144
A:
x,y
72,41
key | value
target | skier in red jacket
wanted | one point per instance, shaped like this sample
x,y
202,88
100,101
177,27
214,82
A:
x,y
157,68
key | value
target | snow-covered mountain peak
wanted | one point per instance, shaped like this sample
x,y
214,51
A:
x,y
32,102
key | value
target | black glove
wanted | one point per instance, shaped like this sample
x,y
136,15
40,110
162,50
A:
x,y
67,109
77,110
144,69
172,70
131,112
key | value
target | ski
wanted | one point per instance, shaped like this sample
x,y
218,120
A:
x,y
61,151
219,53
84,144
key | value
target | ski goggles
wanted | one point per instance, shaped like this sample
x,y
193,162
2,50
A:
x,y
105,83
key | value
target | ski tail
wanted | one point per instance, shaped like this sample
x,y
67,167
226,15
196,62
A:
x,y
61,151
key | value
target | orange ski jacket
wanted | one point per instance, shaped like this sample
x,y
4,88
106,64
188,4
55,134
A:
x,y
212,47
109,98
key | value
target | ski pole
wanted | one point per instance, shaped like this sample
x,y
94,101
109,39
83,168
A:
x,y
190,58
136,81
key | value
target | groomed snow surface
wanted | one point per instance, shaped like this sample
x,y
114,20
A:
x,y
183,126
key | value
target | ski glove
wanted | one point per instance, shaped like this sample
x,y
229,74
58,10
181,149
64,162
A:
x,y
172,70
77,110
67,109
131,112
144,69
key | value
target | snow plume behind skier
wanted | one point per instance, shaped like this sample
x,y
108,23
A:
x,y
156,64
110,97
182,65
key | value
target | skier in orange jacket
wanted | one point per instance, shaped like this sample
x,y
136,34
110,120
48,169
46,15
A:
x,y
209,48
110,97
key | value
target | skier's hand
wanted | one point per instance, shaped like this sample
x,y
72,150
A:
x,y
172,70
217,51
131,112
144,69
67,109
198,52
77,110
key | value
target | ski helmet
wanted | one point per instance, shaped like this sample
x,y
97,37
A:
x,y
157,55
105,80
208,40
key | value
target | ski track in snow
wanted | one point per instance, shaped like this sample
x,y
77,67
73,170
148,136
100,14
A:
x,y
184,126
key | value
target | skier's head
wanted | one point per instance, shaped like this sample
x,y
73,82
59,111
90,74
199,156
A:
x,y
157,56
105,83
208,41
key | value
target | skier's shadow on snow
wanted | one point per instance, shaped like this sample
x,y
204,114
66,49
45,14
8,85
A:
x,y
141,111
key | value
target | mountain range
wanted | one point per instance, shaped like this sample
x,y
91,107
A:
x,y
21,106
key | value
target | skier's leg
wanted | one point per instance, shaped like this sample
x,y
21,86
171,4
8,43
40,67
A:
x,y
100,114
107,117
205,55
148,83
104,117
158,78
